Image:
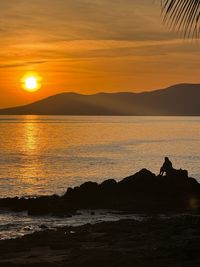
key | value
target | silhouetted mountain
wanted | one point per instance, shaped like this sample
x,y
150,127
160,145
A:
x,y
178,100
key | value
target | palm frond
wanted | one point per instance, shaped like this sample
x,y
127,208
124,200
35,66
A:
x,y
183,15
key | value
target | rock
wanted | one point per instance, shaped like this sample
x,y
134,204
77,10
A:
x,y
43,226
139,193
108,184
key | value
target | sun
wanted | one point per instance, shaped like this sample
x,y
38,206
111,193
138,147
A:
x,y
31,82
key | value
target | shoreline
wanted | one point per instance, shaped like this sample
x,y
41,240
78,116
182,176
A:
x,y
23,224
142,192
153,242
165,242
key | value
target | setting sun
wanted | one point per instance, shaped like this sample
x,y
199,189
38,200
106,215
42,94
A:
x,y
31,82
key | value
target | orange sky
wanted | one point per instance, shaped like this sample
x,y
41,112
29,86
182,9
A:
x,y
88,46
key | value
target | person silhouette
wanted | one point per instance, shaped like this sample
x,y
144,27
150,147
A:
x,y
166,167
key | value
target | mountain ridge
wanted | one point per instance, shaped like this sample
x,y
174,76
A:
x,y
176,100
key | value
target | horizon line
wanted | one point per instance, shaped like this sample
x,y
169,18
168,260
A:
x,y
99,93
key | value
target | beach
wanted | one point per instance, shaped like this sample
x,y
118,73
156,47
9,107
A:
x,y
168,241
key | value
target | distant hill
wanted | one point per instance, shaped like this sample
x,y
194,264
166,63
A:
x,y
177,100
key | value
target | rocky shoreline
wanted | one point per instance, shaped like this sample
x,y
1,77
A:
x,y
155,241
173,242
143,192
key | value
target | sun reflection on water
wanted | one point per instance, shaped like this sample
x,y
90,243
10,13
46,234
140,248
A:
x,y
31,167
30,141
46,154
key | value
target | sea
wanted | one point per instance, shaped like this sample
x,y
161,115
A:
x,y
44,155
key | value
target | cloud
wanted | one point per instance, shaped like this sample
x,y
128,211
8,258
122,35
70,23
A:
x,y
20,64
97,42
83,20
42,30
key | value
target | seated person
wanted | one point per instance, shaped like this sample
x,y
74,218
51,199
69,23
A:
x,y
166,167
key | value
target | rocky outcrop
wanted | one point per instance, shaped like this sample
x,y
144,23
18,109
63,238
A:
x,y
141,192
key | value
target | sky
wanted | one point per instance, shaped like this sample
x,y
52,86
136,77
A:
x,y
90,46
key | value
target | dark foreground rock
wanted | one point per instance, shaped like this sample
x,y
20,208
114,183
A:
x,y
156,242
141,192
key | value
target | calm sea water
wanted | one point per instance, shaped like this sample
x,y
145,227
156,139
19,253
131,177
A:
x,y
42,155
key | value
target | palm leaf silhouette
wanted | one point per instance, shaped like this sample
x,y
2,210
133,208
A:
x,y
183,15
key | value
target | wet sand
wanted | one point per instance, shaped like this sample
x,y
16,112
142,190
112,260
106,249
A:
x,y
126,243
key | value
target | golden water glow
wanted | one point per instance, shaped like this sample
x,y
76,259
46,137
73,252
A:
x,y
31,167
31,82
30,141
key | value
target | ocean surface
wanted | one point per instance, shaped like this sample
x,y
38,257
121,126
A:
x,y
43,155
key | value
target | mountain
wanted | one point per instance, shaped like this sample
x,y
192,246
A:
x,y
177,100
